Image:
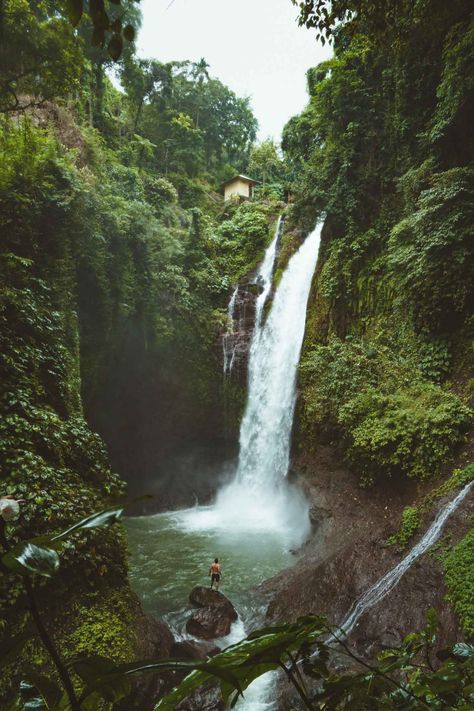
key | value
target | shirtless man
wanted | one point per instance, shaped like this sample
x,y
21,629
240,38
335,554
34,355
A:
x,y
215,573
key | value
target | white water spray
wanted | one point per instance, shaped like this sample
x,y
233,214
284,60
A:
x,y
260,497
264,279
392,578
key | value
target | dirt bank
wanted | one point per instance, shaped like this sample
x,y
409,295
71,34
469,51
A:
x,y
348,553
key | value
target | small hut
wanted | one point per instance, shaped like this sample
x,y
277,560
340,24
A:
x,y
240,185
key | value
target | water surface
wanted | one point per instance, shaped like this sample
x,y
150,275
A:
x,y
170,553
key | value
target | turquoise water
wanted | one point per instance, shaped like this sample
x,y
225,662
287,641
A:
x,y
170,553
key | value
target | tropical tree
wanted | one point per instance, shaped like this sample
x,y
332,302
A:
x,y
265,162
40,56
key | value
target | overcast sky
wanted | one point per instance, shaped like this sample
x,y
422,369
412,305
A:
x,y
253,46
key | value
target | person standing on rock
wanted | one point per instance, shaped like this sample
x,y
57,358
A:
x,y
215,573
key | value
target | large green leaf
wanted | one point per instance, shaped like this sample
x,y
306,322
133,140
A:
x,y
192,682
103,518
26,558
112,683
261,652
102,679
460,651
463,650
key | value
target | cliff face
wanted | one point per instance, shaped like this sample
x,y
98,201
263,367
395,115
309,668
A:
x,y
385,390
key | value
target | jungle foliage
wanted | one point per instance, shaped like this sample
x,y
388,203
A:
x,y
384,151
97,190
117,260
114,276
378,152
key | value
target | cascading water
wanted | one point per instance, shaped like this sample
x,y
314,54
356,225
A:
x,y
263,278
260,497
228,339
392,578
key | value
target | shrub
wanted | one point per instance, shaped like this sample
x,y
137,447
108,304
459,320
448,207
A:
x,y
241,240
431,252
409,525
459,578
389,418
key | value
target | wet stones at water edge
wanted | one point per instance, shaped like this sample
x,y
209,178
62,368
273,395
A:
x,y
215,614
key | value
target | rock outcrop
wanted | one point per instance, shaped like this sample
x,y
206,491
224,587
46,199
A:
x,y
215,614
154,641
348,554
237,337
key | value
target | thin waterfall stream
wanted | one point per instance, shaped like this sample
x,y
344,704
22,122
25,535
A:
x,y
383,586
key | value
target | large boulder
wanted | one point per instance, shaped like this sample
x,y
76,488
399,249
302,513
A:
x,y
154,641
209,623
201,596
214,616
206,698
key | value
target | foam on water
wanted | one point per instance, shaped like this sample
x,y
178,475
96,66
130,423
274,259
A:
x,y
260,498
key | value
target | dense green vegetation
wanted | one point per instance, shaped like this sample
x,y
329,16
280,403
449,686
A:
x,y
384,151
118,256
459,576
116,261
390,320
392,418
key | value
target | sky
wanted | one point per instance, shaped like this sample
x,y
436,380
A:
x,y
253,46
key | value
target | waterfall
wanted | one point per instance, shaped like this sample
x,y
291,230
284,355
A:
x,y
263,278
259,496
274,355
228,339
392,578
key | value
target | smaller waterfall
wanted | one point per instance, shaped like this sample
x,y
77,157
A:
x,y
264,275
392,578
263,278
228,339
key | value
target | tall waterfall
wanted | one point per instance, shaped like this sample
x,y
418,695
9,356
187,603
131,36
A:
x,y
259,496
